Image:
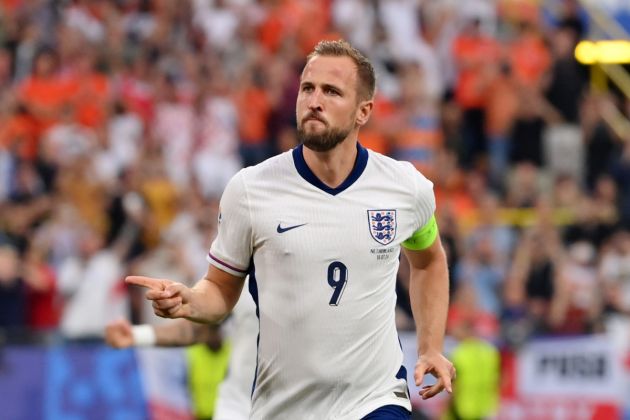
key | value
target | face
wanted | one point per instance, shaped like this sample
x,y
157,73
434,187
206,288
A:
x,y
327,108
45,64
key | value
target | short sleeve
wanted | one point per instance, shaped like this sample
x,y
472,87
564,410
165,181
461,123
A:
x,y
424,198
231,250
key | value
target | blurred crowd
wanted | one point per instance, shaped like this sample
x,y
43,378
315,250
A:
x,y
121,121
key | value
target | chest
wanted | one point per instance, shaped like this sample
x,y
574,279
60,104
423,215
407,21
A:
x,y
366,227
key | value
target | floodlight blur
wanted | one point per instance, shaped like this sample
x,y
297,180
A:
x,y
603,52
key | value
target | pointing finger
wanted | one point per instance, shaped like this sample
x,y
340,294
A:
x,y
149,282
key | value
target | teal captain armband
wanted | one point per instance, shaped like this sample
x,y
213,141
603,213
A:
x,y
423,237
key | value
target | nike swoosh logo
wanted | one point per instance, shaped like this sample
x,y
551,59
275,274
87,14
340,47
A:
x,y
281,229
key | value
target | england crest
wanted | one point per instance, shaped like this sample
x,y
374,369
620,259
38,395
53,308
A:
x,y
382,225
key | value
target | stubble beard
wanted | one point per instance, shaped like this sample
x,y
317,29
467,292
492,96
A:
x,y
324,141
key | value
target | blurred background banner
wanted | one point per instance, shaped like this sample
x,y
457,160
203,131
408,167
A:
x,y
572,379
587,378
588,368
73,382
92,382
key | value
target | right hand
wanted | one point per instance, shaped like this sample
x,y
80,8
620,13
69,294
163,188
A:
x,y
170,299
118,334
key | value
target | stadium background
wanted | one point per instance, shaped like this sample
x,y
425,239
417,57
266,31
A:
x,y
122,120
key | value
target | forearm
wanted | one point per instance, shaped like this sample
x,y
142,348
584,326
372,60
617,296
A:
x,y
211,300
178,333
428,289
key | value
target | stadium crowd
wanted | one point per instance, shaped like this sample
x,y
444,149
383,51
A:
x,y
122,121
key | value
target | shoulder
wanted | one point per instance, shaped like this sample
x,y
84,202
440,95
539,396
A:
x,y
399,169
278,165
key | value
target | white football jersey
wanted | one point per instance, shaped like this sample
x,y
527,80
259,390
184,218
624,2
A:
x,y
323,264
234,397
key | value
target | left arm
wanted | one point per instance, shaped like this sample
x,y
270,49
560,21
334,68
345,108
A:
x,y
428,289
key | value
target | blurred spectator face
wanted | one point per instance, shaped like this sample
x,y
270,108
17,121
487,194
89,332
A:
x,y
85,63
451,114
45,64
476,184
484,250
168,89
488,209
567,191
606,189
412,83
562,42
472,26
91,242
582,253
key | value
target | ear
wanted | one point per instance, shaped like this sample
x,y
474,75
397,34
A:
x,y
364,110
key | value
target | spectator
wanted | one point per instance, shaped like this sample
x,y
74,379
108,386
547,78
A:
x,y
91,284
478,367
42,294
207,367
475,54
576,304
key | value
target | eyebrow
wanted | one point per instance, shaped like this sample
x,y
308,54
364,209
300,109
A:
x,y
324,86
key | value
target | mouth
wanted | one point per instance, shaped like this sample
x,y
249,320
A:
x,y
314,119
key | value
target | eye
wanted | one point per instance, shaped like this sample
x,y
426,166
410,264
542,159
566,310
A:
x,y
307,88
331,91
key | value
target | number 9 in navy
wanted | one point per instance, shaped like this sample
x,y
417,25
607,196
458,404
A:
x,y
337,278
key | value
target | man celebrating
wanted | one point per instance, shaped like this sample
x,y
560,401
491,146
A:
x,y
319,230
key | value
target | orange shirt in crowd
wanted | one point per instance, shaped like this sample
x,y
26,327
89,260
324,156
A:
x,y
475,57
374,140
315,26
45,97
501,106
19,132
530,59
374,134
90,95
452,195
271,32
254,108
10,6
307,20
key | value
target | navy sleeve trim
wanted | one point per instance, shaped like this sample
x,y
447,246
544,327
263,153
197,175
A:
x,y
226,264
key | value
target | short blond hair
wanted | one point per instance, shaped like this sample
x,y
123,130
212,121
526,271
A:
x,y
365,71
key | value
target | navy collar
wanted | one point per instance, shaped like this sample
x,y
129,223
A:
x,y
305,172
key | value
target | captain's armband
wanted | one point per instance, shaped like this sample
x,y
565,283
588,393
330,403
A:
x,y
423,237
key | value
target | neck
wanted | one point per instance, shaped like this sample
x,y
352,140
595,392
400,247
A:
x,y
334,166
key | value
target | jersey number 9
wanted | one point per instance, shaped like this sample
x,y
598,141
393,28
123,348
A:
x,y
337,278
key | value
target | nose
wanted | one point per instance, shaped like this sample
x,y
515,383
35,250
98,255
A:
x,y
314,101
